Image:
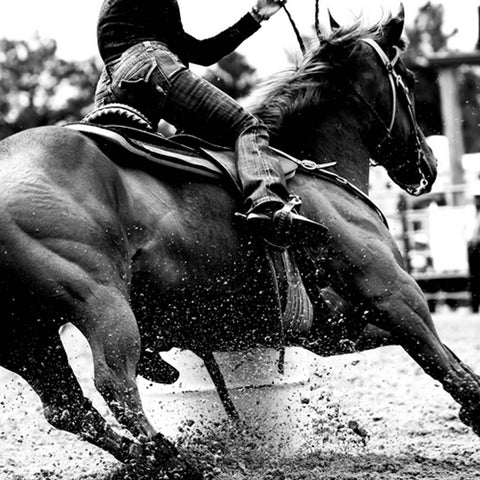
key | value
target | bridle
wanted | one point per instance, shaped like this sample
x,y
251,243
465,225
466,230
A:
x,y
394,78
397,85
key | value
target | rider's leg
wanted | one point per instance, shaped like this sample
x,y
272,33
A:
x,y
154,80
103,92
189,102
197,106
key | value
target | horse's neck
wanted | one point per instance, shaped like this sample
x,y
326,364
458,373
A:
x,y
333,140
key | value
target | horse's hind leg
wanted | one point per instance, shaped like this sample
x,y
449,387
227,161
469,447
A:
x,y
108,323
38,356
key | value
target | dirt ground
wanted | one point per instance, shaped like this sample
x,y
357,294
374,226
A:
x,y
371,416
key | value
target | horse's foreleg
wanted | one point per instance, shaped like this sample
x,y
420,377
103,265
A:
x,y
373,337
365,267
402,310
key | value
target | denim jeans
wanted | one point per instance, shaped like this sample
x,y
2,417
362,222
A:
x,y
149,77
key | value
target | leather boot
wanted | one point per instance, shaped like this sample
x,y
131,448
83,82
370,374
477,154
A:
x,y
281,226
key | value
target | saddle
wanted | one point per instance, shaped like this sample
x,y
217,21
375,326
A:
x,y
118,127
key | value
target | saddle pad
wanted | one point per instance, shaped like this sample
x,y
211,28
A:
x,y
182,152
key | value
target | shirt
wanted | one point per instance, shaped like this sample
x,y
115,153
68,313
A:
x,y
124,23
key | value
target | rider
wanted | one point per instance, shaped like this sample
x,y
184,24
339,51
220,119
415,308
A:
x,y
147,52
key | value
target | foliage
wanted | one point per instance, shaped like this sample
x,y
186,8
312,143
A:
x,y
38,88
428,37
233,75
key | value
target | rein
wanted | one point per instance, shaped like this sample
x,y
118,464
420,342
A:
x,y
295,29
309,167
396,82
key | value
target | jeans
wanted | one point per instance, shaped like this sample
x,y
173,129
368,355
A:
x,y
149,77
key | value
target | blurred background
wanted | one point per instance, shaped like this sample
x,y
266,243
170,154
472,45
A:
x,y
49,66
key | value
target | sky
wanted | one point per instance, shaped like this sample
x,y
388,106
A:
x,y
72,24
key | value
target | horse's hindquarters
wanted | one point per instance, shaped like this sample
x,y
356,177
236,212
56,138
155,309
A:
x,y
59,229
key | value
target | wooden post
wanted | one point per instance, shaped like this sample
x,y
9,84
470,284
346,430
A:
x,y
447,65
402,208
452,118
477,46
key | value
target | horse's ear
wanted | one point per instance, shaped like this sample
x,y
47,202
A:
x,y
394,28
333,23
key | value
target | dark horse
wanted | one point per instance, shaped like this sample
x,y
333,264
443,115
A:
x,y
135,261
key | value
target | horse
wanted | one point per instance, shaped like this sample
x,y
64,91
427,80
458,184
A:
x,y
140,262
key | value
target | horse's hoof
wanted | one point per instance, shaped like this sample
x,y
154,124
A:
x,y
182,471
162,460
175,469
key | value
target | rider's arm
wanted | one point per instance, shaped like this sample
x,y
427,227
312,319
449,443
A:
x,y
211,50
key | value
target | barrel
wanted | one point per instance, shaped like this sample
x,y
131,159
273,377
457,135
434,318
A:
x,y
273,406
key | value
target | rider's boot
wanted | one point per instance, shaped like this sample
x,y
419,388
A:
x,y
280,224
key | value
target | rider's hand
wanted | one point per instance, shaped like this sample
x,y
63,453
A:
x,y
264,9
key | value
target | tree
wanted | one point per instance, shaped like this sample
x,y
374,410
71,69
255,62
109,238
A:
x,y
426,38
37,88
427,35
233,75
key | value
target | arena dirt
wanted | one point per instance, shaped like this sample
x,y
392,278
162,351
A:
x,y
375,416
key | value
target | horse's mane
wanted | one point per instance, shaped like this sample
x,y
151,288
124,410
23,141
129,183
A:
x,y
316,79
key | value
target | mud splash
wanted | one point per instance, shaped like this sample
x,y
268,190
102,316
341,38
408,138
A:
x,y
374,416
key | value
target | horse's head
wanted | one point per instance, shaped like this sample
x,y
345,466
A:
x,y
355,87
383,87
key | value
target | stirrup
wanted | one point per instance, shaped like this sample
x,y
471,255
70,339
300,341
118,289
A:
x,y
297,228
285,226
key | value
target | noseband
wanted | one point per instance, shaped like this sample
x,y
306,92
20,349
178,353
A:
x,y
397,84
